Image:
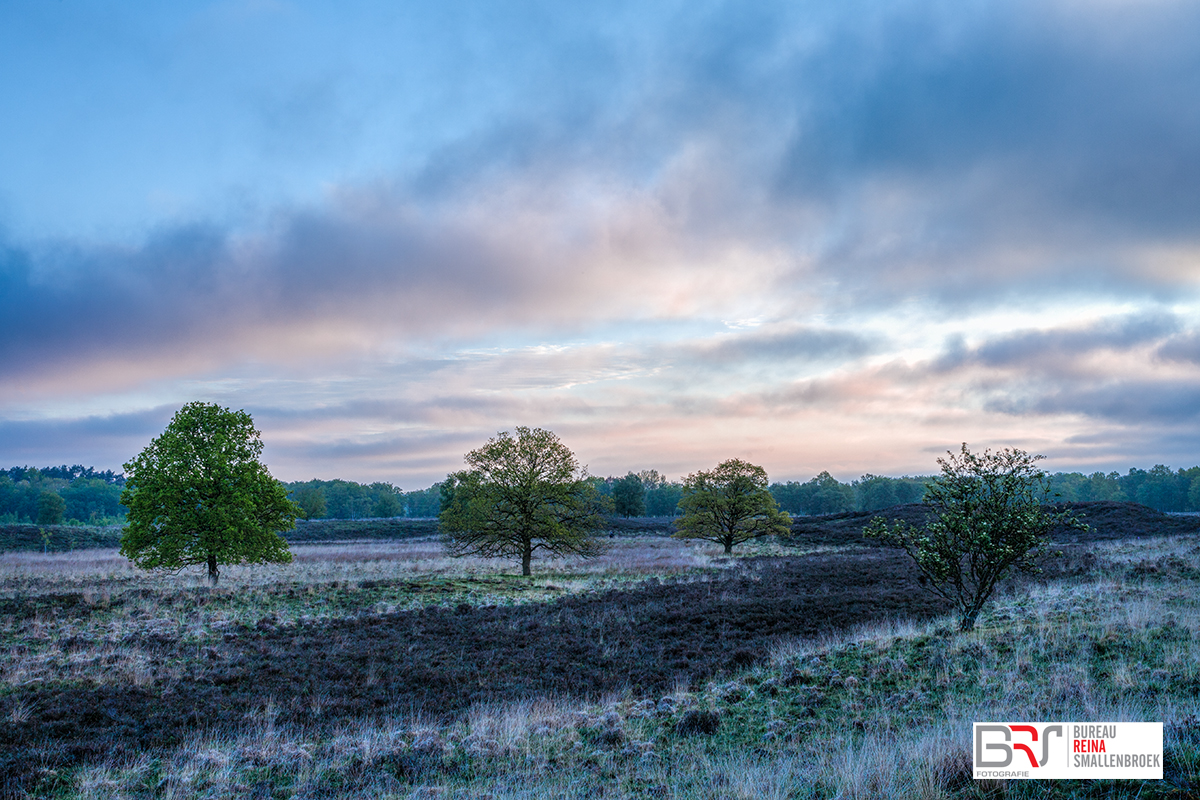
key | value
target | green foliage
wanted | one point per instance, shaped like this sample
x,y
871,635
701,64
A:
x,y
50,508
334,530
824,494
93,500
339,499
661,495
829,495
63,474
729,505
1163,489
663,500
90,496
629,496
652,479
521,494
20,497
311,500
1159,487
423,502
989,517
347,499
389,501
875,492
198,494
1077,487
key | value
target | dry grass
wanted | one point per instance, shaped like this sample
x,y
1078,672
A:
x,y
26,573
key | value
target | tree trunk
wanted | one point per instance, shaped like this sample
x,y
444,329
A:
x,y
728,546
968,620
526,557
213,572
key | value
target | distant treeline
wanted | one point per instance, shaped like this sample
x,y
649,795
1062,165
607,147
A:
x,y
55,495
642,494
1160,488
338,499
825,494
648,493
82,496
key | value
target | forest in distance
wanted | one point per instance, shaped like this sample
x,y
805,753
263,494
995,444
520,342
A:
x,y
77,495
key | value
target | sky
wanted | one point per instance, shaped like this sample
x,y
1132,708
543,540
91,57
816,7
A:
x,y
832,235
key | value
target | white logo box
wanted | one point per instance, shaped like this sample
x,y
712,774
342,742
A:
x,y
1062,750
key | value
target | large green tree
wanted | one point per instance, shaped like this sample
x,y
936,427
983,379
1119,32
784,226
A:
x,y
989,515
198,494
729,505
522,493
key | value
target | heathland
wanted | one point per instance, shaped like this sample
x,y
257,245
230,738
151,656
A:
x,y
814,665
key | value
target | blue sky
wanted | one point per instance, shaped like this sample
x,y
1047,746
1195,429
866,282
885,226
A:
x,y
823,235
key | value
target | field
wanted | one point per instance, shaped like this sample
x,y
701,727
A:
x,y
812,667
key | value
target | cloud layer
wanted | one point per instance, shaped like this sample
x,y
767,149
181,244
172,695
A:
x,y
830,236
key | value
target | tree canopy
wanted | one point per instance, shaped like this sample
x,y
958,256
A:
x,y
989,516
729,505
50,508
629,496
198,494
522,493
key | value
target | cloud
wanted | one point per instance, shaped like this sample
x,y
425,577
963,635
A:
x,y
561,244
355,276
1120,447
973,156
1064,349
876,153
780,347
1184,347
1131,402
1118,369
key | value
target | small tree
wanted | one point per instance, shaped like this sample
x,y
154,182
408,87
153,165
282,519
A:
x,y
198,494
989,517
729,505
522,494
